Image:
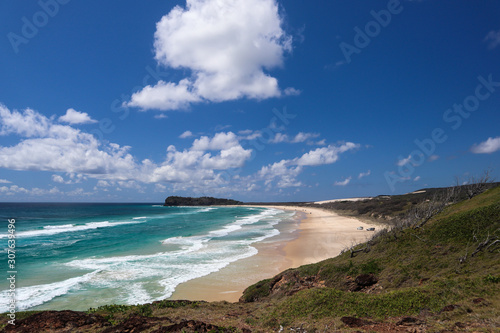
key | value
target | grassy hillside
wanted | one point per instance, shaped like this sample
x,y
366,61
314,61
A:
x,y
417,270
443,276
390,207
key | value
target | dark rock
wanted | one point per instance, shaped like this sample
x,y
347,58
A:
x,y
460,325
361,282
60,321
354,322
203,201
410,321
366,280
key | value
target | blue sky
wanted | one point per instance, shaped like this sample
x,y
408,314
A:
x,y
257,100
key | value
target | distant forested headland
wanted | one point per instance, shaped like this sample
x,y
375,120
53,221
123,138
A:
x,y
203,201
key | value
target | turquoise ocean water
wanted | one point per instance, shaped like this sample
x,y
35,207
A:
x,y
76,256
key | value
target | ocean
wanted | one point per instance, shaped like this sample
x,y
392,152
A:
x,y
77,256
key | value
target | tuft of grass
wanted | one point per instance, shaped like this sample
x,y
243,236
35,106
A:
x,y
144,310
492,279
112,308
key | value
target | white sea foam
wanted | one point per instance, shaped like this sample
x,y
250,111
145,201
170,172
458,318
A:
x,y
62,226
187,243
239,223
57,229
198,256
196,242
207,209
28,297
137,295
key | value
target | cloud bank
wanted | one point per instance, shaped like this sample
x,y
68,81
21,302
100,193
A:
x,y
211,163
48,146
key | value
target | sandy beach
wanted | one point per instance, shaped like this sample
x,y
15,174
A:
x,y
311,236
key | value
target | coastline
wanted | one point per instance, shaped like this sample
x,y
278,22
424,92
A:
x,y
311,236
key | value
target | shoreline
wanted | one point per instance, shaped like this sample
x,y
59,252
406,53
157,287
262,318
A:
x,y
311,236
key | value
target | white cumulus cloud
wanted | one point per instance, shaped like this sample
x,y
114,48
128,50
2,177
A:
x,y
487,147
403,161
285,172
227,45
74,117
218,142
325,155
364,174
345,182
186,134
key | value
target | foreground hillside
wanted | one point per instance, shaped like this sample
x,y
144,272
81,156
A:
x,y
439,276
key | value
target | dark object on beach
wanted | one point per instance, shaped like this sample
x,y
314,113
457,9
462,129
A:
x,y
203,201
370,229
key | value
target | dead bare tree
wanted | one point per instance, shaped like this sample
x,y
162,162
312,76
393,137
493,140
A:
x,y
486,244
423,212
351,249
475,185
